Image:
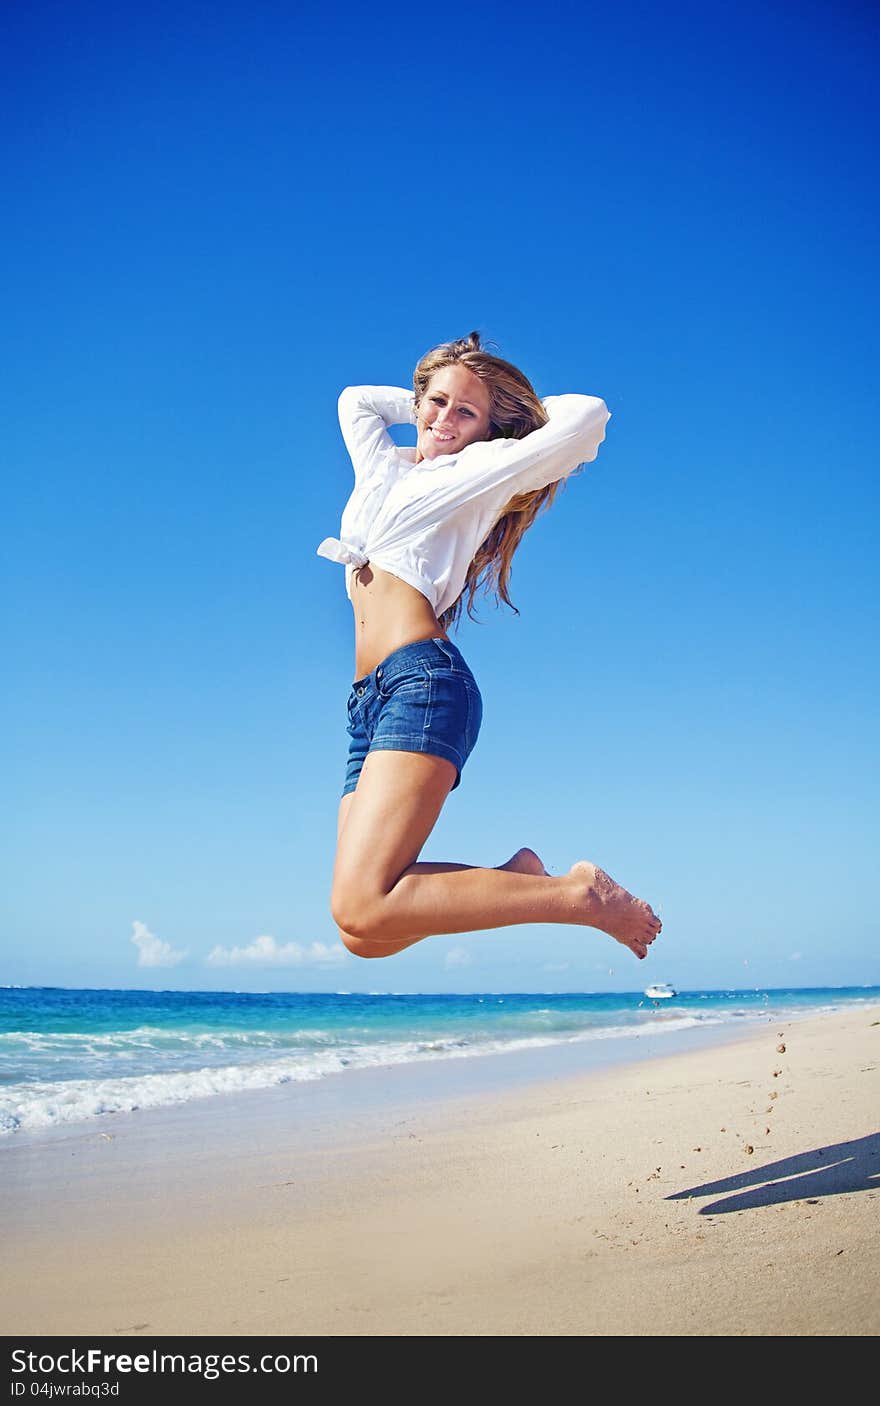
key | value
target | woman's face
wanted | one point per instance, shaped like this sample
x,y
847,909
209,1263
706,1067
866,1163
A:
x,y
453,412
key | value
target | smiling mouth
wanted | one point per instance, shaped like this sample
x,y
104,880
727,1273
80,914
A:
x,y
442,436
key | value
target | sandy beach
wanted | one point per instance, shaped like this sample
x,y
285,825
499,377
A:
x,y
727,1190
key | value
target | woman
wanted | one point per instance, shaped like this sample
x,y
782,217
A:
x,y
421,525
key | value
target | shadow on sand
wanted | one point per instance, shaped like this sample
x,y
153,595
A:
x,y
824,1171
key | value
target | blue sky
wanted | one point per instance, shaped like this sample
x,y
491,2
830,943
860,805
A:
x,y
217,217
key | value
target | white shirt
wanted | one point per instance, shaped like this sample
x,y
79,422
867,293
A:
x,y
425,522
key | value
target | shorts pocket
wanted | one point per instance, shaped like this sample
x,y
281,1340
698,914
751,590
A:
x,y
447,717
415,681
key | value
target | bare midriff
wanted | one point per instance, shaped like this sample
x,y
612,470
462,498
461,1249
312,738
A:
x,y
388,613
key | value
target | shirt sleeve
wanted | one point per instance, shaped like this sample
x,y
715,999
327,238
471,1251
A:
x,y
497,469
365,412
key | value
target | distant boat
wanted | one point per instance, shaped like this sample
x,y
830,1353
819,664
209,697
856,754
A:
x,y
660,991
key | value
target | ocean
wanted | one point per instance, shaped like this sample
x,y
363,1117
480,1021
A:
x,y
68,1056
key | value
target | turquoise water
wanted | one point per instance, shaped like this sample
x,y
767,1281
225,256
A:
x,y
73,1055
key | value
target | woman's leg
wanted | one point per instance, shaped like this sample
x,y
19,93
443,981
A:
x,y
360,946
381,895
525,861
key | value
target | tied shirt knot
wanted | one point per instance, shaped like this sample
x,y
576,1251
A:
x,y
341,550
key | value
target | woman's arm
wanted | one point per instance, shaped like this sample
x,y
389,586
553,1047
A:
x,y
501,468
575,428
365,412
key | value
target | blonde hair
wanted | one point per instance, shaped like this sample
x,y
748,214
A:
x,y
514,411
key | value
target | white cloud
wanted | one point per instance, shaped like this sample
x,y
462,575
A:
x,y
795,956
152,951
266,952
457,957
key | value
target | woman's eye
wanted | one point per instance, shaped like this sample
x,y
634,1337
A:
x,y
469,413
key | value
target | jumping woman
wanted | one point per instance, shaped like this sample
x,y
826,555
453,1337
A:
x,y
422,524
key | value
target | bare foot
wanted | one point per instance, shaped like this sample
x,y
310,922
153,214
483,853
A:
x,y
614,910
525,861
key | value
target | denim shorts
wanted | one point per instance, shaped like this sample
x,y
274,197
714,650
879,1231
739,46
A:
x,y
421,698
